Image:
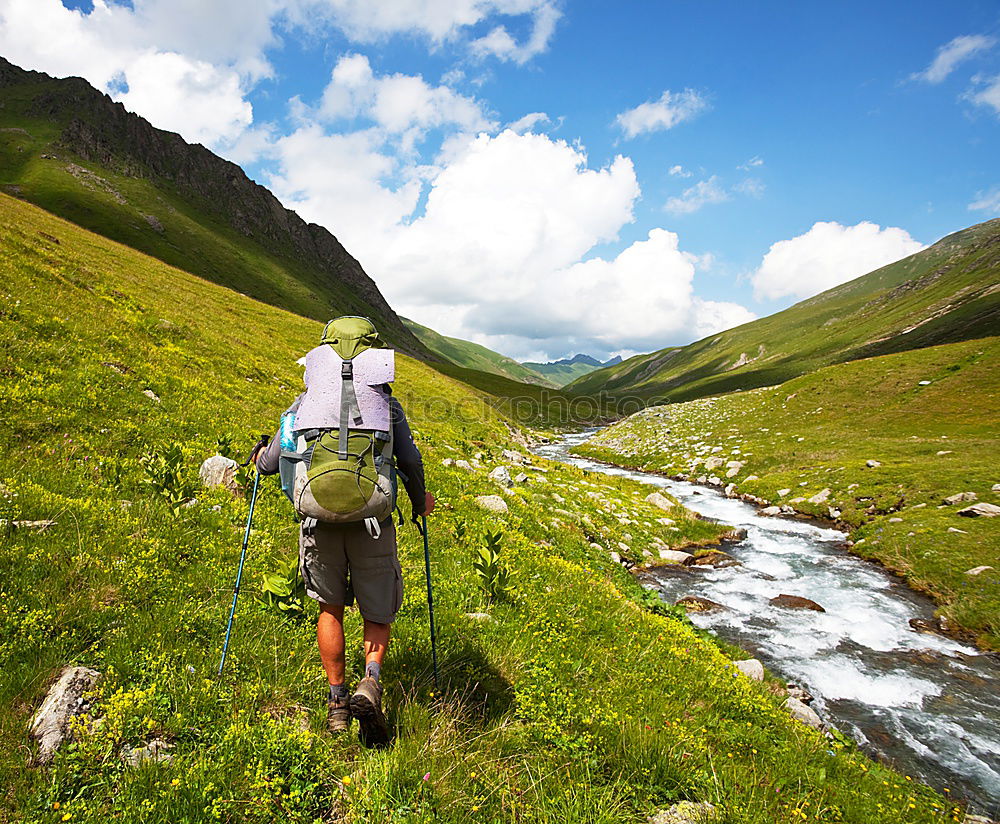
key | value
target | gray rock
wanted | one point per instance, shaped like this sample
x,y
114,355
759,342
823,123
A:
x,y
483,617
961,498
155,751
493,503
833,513
51,724
660,500
895,520
957,531
820,497
871,464
462,464
749,478
714,463
730,491
695,603
783,492
995,488
149,393
751,668
521,478
219,471
614,556
737,465
771,511
514,457
674,556
803,713
686,812
799,693
448,462
979,570
502,476
983,510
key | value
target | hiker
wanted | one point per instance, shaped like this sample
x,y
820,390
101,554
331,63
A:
x,y
341,446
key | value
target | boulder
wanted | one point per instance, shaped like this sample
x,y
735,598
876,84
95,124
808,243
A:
x,y
872,464
799,693
961,498
51,724
803,713
923,625
493,503
686,812
675,556
502,476
783,492
734,535
980,511
751,668
820,497
219,471
715,558
771,511
695,603
795,602
660,500
979,570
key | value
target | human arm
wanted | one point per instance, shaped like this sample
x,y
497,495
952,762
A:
x,y
409,462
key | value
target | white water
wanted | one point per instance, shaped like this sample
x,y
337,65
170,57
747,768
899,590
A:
x,y
928,704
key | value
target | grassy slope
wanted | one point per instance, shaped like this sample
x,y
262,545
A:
x,y
562,374
818,431
117,206
474,356
531,724
945,293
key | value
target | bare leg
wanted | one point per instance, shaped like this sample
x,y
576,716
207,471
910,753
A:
x,y
376,641
330,637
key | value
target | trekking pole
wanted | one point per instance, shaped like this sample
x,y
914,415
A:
x,y
243,552
422,526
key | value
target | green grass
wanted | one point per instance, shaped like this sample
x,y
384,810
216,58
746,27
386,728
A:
x,y
125,204
818,432
943,294
474,356
574,702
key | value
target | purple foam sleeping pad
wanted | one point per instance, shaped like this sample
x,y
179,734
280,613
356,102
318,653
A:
x,y
320,408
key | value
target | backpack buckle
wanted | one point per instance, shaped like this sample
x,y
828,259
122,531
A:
x,y
347,369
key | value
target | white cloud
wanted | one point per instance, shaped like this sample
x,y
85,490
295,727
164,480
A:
x,y
752,163
694,197
671,109
988,201
528,122
499,42
951,54
827,255
679,171
752,186
985,92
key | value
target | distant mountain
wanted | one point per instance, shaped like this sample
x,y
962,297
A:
x,y
562,372
949,292
471,355
71,150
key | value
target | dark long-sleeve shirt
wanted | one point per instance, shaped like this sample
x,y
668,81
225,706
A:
x,y
404,451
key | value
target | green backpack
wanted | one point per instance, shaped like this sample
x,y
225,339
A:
x,y
336,456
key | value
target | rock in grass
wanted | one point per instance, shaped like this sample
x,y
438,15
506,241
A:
x,y
659,500
493,503
873,464
751,668
155,751
675,556
995,488
462,464
979,570
980,511
795,602
502,476
961,498
800,712
51,724
219,471
820,497
686,812
695,603
783,492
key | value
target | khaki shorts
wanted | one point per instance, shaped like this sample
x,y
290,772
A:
x,y
342,563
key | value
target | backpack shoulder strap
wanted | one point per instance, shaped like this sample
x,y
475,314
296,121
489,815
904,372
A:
x,y
350,412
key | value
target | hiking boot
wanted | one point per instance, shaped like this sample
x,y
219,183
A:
x,y
338,714
366,706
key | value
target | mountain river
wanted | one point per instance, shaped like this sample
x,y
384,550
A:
x,y
927,704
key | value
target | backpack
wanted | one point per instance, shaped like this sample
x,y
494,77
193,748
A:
x,y
336,446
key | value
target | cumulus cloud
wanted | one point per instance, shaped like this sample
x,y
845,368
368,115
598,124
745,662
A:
x,y
694,197
671,109
988,201
951,54
827,255
679,171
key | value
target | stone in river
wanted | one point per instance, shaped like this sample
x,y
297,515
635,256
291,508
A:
x,y
695,603
795,602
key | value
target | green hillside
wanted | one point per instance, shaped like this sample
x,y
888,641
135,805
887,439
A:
x,y
567,370
471,355
929,417
66,147
571,701
948,292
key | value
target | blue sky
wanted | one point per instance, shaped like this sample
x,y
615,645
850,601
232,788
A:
x,y
688,166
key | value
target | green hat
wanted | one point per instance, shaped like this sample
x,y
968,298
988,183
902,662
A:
x,y
351,335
